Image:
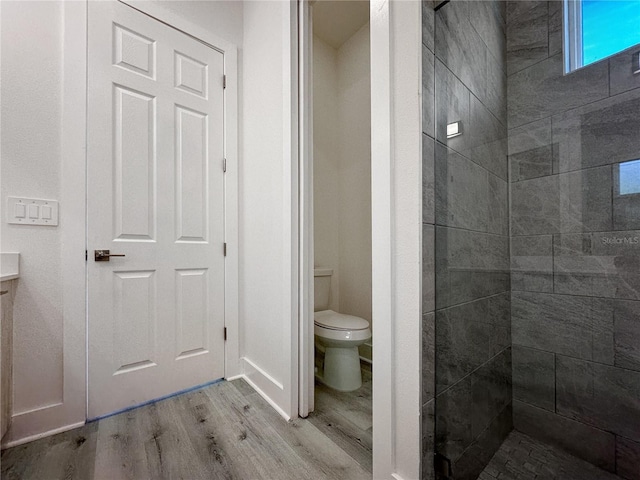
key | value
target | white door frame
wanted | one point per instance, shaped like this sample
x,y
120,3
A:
x,y
396,272
381,221
306,288
382,240
73,409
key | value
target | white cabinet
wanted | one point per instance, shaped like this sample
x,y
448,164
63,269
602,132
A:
x,y
6,353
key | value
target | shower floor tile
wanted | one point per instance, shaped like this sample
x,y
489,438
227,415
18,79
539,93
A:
x,y
523,458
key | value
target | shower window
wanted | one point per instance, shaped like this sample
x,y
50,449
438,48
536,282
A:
x,y
628,178
596,29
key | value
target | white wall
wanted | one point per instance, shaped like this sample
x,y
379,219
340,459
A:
x,y
49,378
354,120
342,170
31,78
223,18
326,164
267,194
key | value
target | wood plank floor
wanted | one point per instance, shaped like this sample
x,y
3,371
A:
x,y
224,431
347,418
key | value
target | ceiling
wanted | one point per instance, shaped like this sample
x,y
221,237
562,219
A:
x,y
335,21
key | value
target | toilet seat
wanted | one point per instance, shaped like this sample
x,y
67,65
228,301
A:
x,y
330,320
332,325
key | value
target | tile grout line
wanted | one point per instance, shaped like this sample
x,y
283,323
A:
x,y
562,112
473,371
571,357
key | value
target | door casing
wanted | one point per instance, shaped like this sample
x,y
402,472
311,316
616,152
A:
x,y
306,248
159,267
395,427
73,196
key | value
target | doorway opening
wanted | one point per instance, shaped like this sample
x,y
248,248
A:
x,y
338,294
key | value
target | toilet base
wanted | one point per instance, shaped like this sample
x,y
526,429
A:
x,y
341,369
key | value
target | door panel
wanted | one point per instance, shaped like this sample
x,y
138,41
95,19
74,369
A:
x,y
155,194
192,312
191,175
134,163
133,51
135,342
191,75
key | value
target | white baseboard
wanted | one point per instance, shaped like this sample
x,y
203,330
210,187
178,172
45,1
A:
x,y
282,413
263,373
38,436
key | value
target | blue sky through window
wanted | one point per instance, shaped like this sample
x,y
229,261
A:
x,y
629,177
608,27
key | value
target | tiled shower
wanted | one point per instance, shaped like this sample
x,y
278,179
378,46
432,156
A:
x,y
531,241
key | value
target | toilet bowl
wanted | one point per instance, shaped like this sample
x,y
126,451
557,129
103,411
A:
x,y
339,335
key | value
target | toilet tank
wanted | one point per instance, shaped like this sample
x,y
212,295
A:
x,y
321,288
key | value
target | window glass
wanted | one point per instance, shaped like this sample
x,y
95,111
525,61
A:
x,y
629,177
608,27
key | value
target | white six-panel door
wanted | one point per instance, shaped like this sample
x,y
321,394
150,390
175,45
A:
x,y
155,195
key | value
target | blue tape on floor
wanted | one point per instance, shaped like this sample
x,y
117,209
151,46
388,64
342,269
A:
x,y
197,387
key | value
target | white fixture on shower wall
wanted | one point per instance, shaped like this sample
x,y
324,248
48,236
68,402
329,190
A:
x,y
31,211
454,129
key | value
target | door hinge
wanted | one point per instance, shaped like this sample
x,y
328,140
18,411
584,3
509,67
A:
x,y
225,249
224,81
224,164
225,334
86,255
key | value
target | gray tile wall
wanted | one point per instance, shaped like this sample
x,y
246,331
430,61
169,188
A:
x,y
466,269
575,244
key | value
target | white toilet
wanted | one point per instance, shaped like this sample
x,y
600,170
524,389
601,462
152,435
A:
x,y
339,336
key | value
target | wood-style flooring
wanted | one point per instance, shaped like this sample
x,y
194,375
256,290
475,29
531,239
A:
x,y
347,418
224,431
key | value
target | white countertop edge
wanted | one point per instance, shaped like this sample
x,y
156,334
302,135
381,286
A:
x,y
9,266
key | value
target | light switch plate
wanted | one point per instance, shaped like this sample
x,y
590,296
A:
x,y
32,211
